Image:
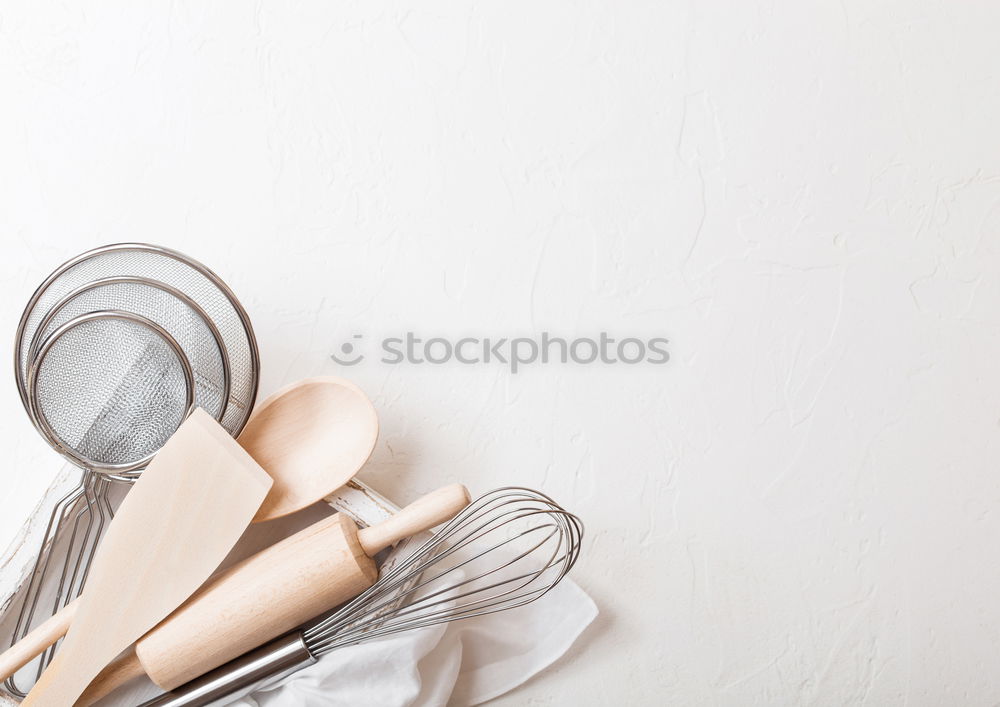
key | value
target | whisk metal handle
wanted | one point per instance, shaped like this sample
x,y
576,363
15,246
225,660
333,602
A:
x,y
239,677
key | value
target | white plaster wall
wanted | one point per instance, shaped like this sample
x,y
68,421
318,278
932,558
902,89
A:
x,y
802,506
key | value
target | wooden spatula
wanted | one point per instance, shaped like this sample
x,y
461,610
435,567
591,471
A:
x,y
174,528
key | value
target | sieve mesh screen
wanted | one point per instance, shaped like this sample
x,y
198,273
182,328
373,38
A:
x,y
111,390
190,327
178,272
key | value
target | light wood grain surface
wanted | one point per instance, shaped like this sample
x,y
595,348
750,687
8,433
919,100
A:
x,y
312,437
189,508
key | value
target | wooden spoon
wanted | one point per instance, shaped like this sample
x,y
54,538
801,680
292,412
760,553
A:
x,y
311,436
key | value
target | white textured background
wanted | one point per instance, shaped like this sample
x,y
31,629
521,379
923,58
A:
x,y
802,507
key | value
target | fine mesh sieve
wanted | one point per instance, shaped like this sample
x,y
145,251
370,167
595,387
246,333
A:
x,y
171,268
178,314
103,279
108,388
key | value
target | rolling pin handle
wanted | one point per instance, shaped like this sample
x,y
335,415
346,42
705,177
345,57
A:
x,y
423,514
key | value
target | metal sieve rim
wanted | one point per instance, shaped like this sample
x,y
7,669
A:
x,y
22,385
124,471
134,280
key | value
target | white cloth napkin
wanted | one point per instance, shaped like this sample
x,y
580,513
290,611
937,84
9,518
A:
x,y
461,663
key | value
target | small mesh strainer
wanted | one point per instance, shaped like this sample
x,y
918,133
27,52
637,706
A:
x,y
171,268
168,307
128,397
108,388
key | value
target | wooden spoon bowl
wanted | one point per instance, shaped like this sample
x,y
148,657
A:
x,y
312,437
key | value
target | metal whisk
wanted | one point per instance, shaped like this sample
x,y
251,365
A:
x,y
506,549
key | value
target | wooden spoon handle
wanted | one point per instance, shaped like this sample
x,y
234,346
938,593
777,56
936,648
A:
x,y
40,638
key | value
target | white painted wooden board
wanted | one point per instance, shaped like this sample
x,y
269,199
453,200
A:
x,y
18,559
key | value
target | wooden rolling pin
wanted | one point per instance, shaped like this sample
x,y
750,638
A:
x,y
271,593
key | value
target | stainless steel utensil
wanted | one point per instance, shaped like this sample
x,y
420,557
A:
x,y
170,268
506,549
105,388
182,317
204,317
108,388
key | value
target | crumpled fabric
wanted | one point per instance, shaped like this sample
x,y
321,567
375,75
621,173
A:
x,y
460,663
